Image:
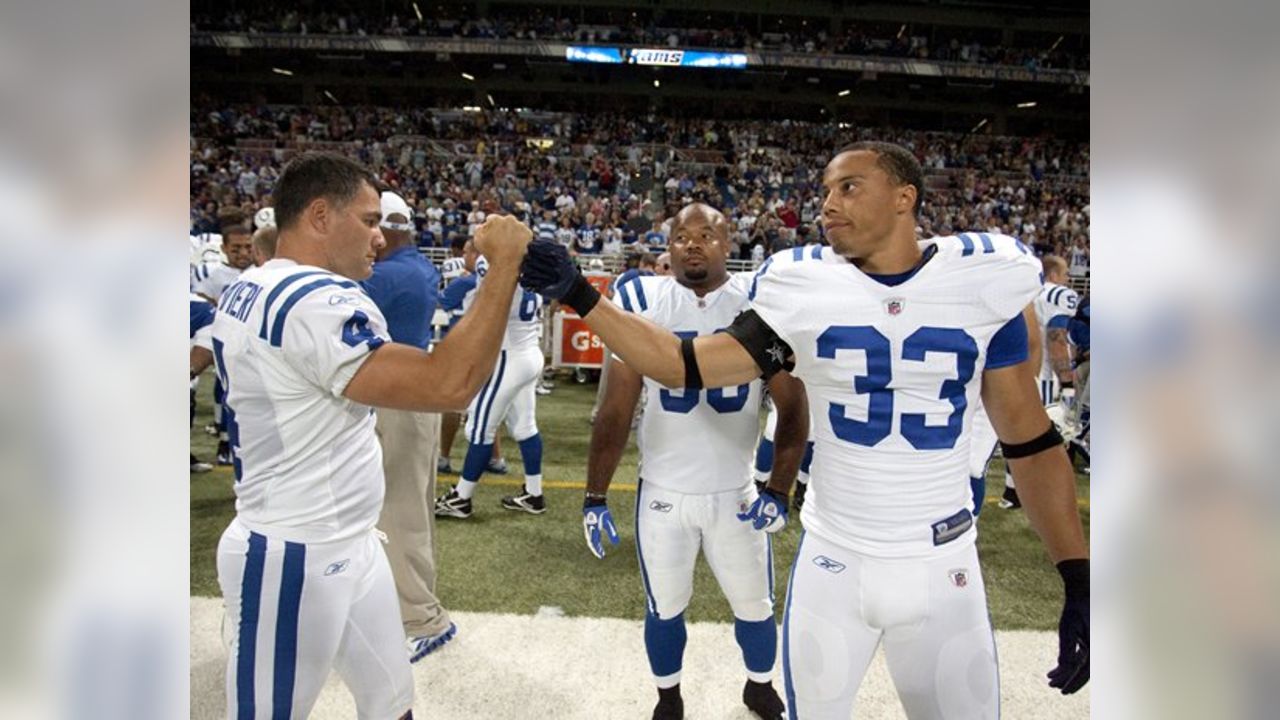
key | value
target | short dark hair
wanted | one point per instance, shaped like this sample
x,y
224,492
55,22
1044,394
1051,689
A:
x,y
898,162
317,175
458,243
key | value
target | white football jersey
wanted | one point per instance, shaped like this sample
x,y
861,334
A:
x,y
452,268
694,441
892,375
524,323
287,339
210,279
1055,306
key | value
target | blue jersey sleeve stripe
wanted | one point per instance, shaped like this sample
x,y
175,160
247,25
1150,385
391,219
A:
x,y
816,253
626,298
987,247
640,298
275,293
968,244
277,328
797,253
1009,345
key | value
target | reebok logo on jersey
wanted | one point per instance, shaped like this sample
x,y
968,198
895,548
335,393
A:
x,y
660,506
831,566
337,567
343,300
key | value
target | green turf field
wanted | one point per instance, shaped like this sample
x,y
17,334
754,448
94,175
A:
x,y
502,561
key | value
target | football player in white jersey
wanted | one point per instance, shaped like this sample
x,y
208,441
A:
x,y
1054,308
894,343
691,493
508,395
305,358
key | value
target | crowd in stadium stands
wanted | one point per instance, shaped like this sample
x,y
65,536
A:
x,y
888,40
609,182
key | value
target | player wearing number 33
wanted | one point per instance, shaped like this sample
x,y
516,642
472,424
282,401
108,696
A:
x,y
695,490
895,341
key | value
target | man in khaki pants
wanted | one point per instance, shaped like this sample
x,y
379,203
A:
x,y
404,286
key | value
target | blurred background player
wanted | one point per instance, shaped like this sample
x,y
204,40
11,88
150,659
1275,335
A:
x,y
264,244
454,299
1054,308
209,280
201,358
455,266
507,395
691,493
404,285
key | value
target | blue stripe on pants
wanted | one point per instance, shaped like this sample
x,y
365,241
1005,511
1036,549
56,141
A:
x,y
786,635
497,383
247,636
286,660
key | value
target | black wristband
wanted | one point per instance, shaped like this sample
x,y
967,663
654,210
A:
x,y
692,375
1075,578
1050,438
590,502
582,296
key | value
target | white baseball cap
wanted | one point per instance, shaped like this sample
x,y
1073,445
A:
x,y
393,204
264,218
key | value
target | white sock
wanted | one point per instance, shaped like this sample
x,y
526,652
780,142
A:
x,y
667,681
765,677
466,488
533,484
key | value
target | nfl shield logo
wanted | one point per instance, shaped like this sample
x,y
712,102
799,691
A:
x,y
959,578
894,305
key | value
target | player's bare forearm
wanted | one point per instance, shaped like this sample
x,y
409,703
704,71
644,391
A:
x,y
1035,349
1048,496
654,351
1046,482
201,358
792,433
402,377
612,425
1060,354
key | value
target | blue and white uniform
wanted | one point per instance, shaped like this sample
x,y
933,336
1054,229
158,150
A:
x,y
695,457
1055,306
306,585
892,366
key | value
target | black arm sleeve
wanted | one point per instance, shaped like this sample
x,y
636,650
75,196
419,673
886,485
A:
x,y
769,351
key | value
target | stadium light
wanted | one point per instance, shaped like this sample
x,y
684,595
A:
x,y
468,76
979,126
491,102
657,83
417,12
282,71
331,97
843,93
1027,104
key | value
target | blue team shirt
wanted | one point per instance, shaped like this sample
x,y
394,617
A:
x,y
655,239
201,316
452,297
403,286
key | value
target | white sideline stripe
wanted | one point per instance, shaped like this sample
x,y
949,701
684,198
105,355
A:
x,y
503,667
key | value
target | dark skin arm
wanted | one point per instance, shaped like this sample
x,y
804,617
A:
x,y
792,406
612,427
201,358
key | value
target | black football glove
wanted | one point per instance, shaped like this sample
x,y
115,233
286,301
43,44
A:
x,y
1072,671
549,271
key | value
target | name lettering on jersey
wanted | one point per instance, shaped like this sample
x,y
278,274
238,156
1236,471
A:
x,y
238,299
944,531
832,566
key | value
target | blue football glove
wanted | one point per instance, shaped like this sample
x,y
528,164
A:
x,y
595,520
768,512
